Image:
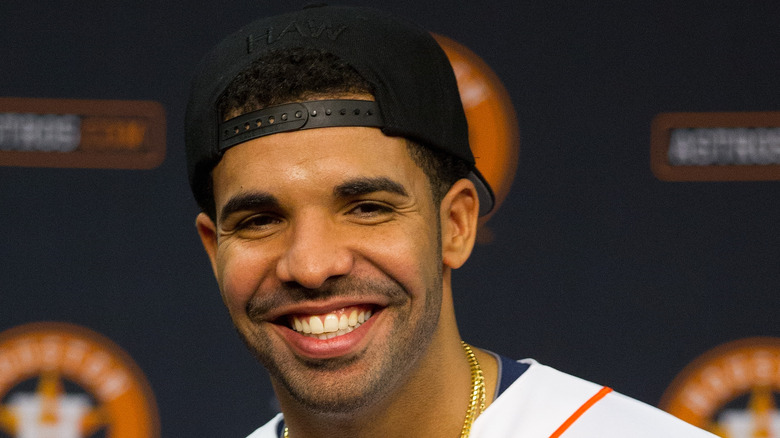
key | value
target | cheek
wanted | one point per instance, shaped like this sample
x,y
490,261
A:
x,y
240,274
413,260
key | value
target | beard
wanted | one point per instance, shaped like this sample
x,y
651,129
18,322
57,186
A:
x,y
349,384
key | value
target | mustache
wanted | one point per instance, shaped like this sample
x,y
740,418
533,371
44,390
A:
x,y
343,287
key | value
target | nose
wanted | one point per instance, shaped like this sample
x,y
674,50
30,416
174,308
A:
x,y
316,251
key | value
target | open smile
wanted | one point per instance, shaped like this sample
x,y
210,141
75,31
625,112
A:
x,y
320,333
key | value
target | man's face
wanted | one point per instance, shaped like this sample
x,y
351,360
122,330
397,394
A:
x,y
318,231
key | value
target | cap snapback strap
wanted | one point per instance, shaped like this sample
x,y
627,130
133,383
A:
x,y
298,116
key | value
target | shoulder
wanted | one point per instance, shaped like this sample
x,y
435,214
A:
x,y
543,400
268,430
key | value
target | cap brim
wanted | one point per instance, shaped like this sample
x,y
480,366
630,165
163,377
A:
x,y
485,195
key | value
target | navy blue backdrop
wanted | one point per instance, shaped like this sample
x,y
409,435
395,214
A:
x,y
596,267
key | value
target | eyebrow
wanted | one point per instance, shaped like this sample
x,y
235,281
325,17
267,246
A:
x,y
350,188
247,201
364,186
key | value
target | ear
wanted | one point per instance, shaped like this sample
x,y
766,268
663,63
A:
x,y
207,231
458,214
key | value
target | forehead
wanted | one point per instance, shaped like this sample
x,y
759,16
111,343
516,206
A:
x,y
314,159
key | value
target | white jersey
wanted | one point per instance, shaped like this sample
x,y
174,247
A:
x,y
546,403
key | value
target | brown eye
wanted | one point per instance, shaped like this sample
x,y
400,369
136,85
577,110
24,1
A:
x,y
371,209
259,221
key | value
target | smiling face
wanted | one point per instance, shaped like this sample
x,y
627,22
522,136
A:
x,y
327,250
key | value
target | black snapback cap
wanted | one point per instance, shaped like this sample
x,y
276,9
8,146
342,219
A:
x,y
415,89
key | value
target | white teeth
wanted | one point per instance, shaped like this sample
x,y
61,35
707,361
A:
x,y
330,325
316,325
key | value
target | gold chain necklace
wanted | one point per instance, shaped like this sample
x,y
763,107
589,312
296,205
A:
x,y
476,400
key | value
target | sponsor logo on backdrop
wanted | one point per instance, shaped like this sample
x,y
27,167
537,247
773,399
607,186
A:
x,y
716,146
731,390
81,133
59,380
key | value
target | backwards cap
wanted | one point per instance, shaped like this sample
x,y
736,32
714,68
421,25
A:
x,y
414,87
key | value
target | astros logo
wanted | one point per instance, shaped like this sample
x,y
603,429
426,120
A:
x,y
731,390
63,381
494,135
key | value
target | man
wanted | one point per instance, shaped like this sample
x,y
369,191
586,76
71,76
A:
x,y
329,152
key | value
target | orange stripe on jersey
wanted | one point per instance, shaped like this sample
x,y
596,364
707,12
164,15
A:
x,y
582,409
